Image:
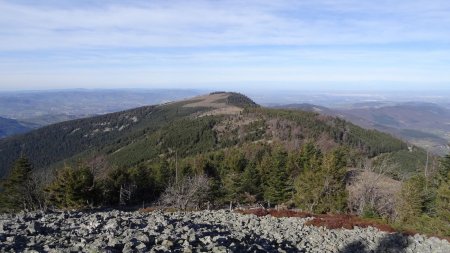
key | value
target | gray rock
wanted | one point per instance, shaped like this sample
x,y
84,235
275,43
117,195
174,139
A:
x,y
167,244
206,231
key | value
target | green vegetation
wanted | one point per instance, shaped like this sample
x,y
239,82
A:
x,y
240,100
408,163
320,186
277,188
19,189
424,203
267,156
72,187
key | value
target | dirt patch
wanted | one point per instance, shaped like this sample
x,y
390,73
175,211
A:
x,y
212,100
215,101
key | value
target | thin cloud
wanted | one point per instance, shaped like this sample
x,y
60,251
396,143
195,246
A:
x,y
171,42
187,23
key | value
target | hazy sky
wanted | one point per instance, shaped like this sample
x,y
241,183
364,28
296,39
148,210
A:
x,y
315,44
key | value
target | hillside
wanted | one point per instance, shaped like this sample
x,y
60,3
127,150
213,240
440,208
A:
x,y
11,127
426,125
193,126
110,132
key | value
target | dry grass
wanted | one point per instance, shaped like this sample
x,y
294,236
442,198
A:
x,y
214,101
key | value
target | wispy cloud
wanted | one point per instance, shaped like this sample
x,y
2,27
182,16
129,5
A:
x,y
204,23
252,40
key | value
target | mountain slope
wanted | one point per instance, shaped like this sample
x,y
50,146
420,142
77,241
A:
x,y
426,125
198,125
57,142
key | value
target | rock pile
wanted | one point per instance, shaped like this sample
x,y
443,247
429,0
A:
x,y
205,231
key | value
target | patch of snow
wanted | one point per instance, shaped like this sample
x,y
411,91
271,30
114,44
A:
x,y
75,130
123,127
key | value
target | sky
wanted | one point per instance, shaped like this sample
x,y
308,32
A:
x,y
289,45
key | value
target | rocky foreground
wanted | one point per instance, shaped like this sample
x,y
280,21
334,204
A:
x,y
205,231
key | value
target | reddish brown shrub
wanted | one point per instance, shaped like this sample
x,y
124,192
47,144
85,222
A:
x,y
256,211
335,221
289,213
148,209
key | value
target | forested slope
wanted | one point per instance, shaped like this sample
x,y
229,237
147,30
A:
x,y
133,136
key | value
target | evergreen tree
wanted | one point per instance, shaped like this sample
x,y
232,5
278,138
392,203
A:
x,y
310,157
251,181
277,187
334,194
411,201
17,191
111,185
443,194
235,161
232,186
321,185
162,175
72,188
445,168
144,186
443,200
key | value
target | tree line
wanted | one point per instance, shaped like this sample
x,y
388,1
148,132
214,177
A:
x,y
271,175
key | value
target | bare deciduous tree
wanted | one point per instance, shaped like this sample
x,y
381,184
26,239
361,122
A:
x,y
125,193
372,190
188,192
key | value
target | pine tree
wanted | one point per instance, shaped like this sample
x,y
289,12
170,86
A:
x,y
232,186
277,187
320,187
443,200
334,194
251,181
72,188
162,175
17,192
445,168
110,186
411,200
443,194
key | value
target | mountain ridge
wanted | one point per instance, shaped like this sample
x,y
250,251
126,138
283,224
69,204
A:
x,y
420,123
200,124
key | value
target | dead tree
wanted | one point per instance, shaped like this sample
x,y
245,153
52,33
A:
x,y
188,192
370,189
125,193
